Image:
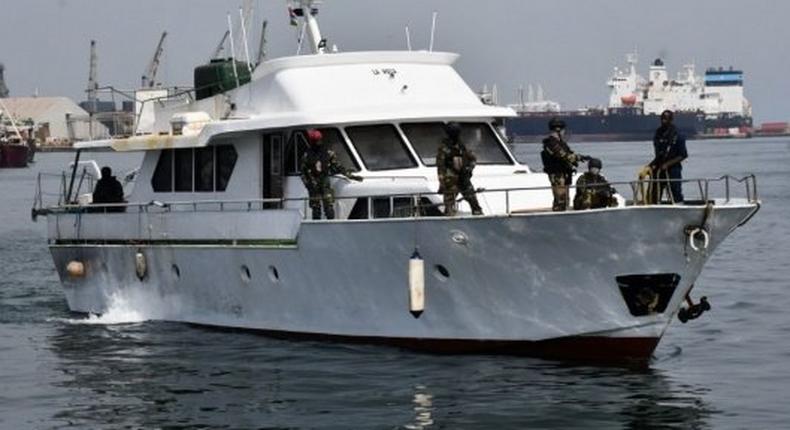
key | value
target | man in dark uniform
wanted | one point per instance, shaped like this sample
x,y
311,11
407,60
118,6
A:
x,y
454,166
559,162
670,151
592,189
318,164
108,190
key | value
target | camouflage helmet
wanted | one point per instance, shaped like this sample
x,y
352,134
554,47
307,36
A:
x,y
594,162
453,130
556,124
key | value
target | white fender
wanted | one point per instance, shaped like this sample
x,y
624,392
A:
x,y
140,265
75,269
416,285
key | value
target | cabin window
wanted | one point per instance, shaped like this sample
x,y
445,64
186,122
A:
x,y
332,139
201,169
480,139
204,169
425,138
380,147
226,161
294,148
162,182
183,170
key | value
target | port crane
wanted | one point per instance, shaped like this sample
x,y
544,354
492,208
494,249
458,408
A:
x,y
149,77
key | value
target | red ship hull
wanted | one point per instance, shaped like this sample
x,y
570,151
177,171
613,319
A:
x,y
13,155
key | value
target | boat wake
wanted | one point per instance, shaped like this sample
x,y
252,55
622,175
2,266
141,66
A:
x,y
127,308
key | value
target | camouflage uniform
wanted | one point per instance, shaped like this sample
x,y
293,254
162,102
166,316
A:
x,y
559,162
454,165
593,191
318,164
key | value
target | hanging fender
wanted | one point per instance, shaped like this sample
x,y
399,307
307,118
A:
x,y
416,284
140,264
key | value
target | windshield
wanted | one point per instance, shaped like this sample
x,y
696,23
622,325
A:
x,y
380,147
427,136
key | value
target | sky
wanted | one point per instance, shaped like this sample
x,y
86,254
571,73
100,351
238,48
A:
x,y
569,47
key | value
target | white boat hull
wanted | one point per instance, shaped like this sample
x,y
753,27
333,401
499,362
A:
x,y
538,284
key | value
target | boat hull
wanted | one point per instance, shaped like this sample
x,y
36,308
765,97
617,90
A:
x,y
538,284
13,155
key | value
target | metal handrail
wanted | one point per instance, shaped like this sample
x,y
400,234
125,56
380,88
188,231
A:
x,y
637,187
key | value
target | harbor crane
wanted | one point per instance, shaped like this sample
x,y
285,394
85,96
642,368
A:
x,y
149,77
93,83
3,87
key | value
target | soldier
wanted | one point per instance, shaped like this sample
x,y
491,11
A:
x,y
559,162
592,189
454,166
108,190
318,164
670,151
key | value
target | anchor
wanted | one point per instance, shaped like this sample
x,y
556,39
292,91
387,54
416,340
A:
x,y
693,311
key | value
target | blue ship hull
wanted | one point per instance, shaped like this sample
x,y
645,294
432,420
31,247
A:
x,y
599,126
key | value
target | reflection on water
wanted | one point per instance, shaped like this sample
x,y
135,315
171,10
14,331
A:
x,y
154,374
423,407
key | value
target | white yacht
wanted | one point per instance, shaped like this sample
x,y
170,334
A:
x,y
216,228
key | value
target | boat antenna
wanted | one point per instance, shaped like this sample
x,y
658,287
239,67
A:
x,y
244,40
232,51
408,38
221,45
262,45
433,30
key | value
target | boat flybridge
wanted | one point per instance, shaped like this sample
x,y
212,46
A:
x,y
215,227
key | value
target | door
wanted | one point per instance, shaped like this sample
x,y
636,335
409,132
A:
x,y
272,169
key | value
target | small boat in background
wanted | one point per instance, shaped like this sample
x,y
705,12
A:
x,y
17,142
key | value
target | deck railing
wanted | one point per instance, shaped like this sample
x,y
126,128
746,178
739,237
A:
x,y
400,205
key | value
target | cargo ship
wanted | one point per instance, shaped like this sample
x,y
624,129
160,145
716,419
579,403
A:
x,y
709,106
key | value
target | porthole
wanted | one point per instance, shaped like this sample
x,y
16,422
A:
x,y
245,273
274,275
176,272
441,273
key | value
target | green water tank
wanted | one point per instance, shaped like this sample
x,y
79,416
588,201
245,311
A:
x,y
218,76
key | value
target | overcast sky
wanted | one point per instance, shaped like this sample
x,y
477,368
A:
x,y
567,46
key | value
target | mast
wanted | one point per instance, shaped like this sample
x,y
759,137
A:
x,y
308,10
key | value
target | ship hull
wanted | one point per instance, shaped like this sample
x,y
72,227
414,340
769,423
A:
x,y
540,284
13,155
599,126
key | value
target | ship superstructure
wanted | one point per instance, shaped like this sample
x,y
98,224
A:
x,y
713,105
